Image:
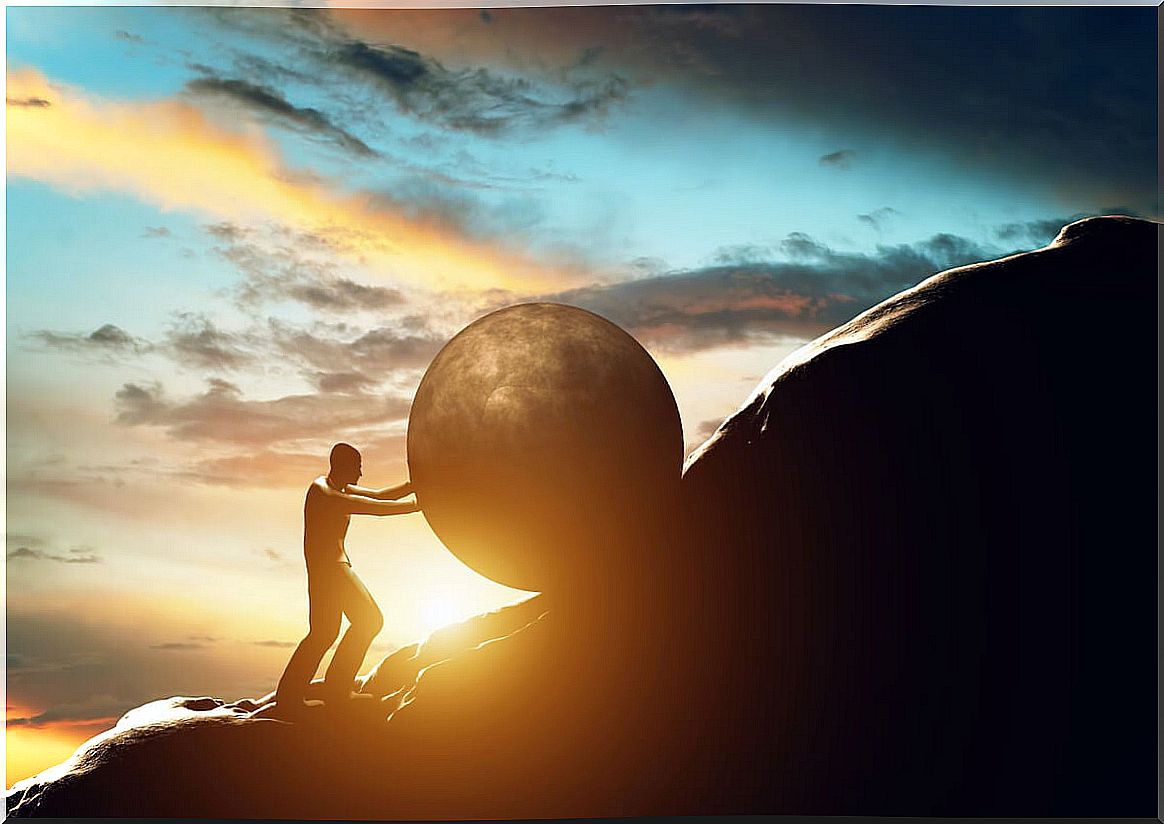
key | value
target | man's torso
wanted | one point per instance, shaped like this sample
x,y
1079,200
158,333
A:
x,y
325,524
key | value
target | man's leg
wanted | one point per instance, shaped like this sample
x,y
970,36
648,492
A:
x,y
324,612
366,622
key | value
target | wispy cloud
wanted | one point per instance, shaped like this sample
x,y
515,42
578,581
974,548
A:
x,y
194,340
280,265
271,105
28,102
178,646
476,100
171,154
840,159
23,547
108,340
76,555
878,218
222,414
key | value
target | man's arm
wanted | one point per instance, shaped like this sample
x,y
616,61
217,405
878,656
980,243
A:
x,y
363,505
388,493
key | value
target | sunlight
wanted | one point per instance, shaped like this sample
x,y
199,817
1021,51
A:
x,y
440,610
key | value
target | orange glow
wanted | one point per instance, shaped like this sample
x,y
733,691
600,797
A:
x,y
171,154
29,750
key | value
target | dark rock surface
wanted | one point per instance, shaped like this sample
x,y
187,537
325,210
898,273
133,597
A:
x,y
931,537
914,575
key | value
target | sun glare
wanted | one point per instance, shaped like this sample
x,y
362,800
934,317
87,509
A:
x,y
441,610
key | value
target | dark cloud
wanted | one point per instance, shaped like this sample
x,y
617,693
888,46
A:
x,y
32,551
222,414
193,340
341,294
108,340
477,100
272,555
342,381
878,217
75,555
103,708
271,104
802,290
1032,233
275,644
27,102
1063,98
842,159
129,37
155,232
178,646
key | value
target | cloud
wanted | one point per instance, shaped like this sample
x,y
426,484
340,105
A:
x,y
338,358
1019,93
221,414
276,644
1036,233
802,290
260,468
841,159
193,340
27,102
107,340
129,37
156,232
170,154
76,555
178,646
94,708
269,103
282,265
879,217
475,100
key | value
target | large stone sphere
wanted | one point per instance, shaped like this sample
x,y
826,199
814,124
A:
x,y
546,449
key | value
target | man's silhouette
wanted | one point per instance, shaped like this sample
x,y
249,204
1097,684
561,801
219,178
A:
x,y
332,587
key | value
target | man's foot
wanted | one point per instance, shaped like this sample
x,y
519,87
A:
x,y
353,700
288,709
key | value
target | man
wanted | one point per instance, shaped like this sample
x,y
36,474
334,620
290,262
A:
x,y
332,587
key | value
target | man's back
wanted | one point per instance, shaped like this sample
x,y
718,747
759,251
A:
x,y
325,524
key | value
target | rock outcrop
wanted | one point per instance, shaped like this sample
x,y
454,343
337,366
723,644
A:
x,y
915,574
928,542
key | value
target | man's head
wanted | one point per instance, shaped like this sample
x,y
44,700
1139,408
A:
x,y
346,464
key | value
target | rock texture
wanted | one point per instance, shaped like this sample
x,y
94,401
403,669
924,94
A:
x,y
914,575
544,443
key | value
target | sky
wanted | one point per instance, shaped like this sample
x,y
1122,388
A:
x,y
235,236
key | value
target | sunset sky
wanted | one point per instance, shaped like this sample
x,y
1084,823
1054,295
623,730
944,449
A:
x,y
236,236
